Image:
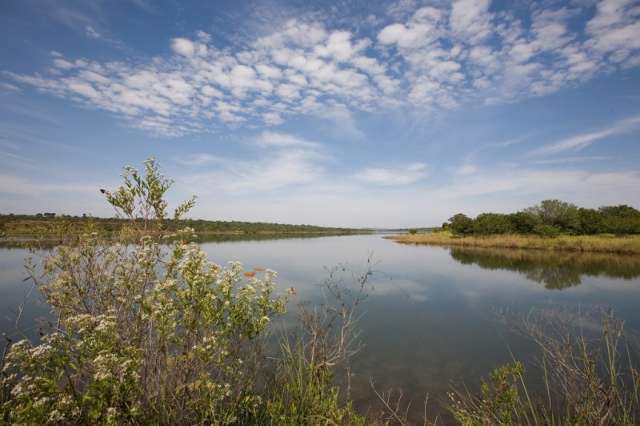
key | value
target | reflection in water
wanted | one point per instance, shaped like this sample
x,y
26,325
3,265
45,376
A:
x,y
429,322
554,270
49,243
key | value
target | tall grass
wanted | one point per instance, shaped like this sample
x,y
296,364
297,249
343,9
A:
x,y
587,381
575,243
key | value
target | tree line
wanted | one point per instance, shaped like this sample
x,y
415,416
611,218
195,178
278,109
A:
x,y
550,218
44,222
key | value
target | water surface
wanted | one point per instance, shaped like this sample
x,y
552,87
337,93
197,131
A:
x,y
430,319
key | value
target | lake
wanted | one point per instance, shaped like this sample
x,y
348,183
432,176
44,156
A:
x,y
430,320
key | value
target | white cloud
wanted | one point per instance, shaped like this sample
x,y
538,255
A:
x,y
183,46
18,185
429,58
577,159
467,169
406,175
264,175
199,159
8,87
470,18
273,139
583,140
91,32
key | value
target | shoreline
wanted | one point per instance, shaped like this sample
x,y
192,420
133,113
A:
x,y
26,241
608,244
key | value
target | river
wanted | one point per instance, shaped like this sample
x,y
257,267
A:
x,y
432,318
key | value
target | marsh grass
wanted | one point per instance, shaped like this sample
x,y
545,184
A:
x,y
589,378
573,243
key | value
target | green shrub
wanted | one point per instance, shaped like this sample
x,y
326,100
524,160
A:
x,y
548,231
588,379
460,224
151,332
492,223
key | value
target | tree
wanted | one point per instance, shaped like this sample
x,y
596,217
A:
x,y
591,221
523,223
620,219
557,213
492,223
461,224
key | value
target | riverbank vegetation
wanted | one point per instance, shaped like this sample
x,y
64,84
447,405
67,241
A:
x,y
548,219
573,243
559,271
52,226
551,225
12,225
148,331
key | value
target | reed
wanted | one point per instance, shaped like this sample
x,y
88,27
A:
x,y
574,243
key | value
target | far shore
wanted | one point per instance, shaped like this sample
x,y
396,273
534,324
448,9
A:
x,y
576,243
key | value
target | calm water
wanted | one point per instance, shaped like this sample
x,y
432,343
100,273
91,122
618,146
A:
x,y
429,322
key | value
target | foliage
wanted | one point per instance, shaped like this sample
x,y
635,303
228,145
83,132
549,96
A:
x,y
545,230
461,224
562,270
492,223
587,379
523,223
154,333
20,227
498,397
629,244
550,218
556,213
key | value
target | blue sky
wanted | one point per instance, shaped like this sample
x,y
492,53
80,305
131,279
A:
x,y
351,113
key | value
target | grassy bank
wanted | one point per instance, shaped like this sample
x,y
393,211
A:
x,y
574,243
18,230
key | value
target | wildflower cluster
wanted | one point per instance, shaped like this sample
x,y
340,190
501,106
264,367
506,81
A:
x,y
142,329
147,331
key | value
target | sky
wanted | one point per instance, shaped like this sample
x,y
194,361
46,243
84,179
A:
x,y
344,113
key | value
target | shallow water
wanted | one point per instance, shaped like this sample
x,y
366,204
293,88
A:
x,y
430,319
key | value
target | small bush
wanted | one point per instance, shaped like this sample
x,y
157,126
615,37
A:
x,y
588,380
547,231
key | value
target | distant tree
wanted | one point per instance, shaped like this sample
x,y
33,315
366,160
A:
x,y
461,224
492,223
545,230
557,213
620,219
591,221
523,223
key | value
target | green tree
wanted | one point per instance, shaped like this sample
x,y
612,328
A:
x,y
461,224
591,221
620,219
523,223
557,213
492,223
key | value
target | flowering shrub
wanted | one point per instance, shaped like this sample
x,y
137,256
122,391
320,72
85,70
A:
x,y
147,331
